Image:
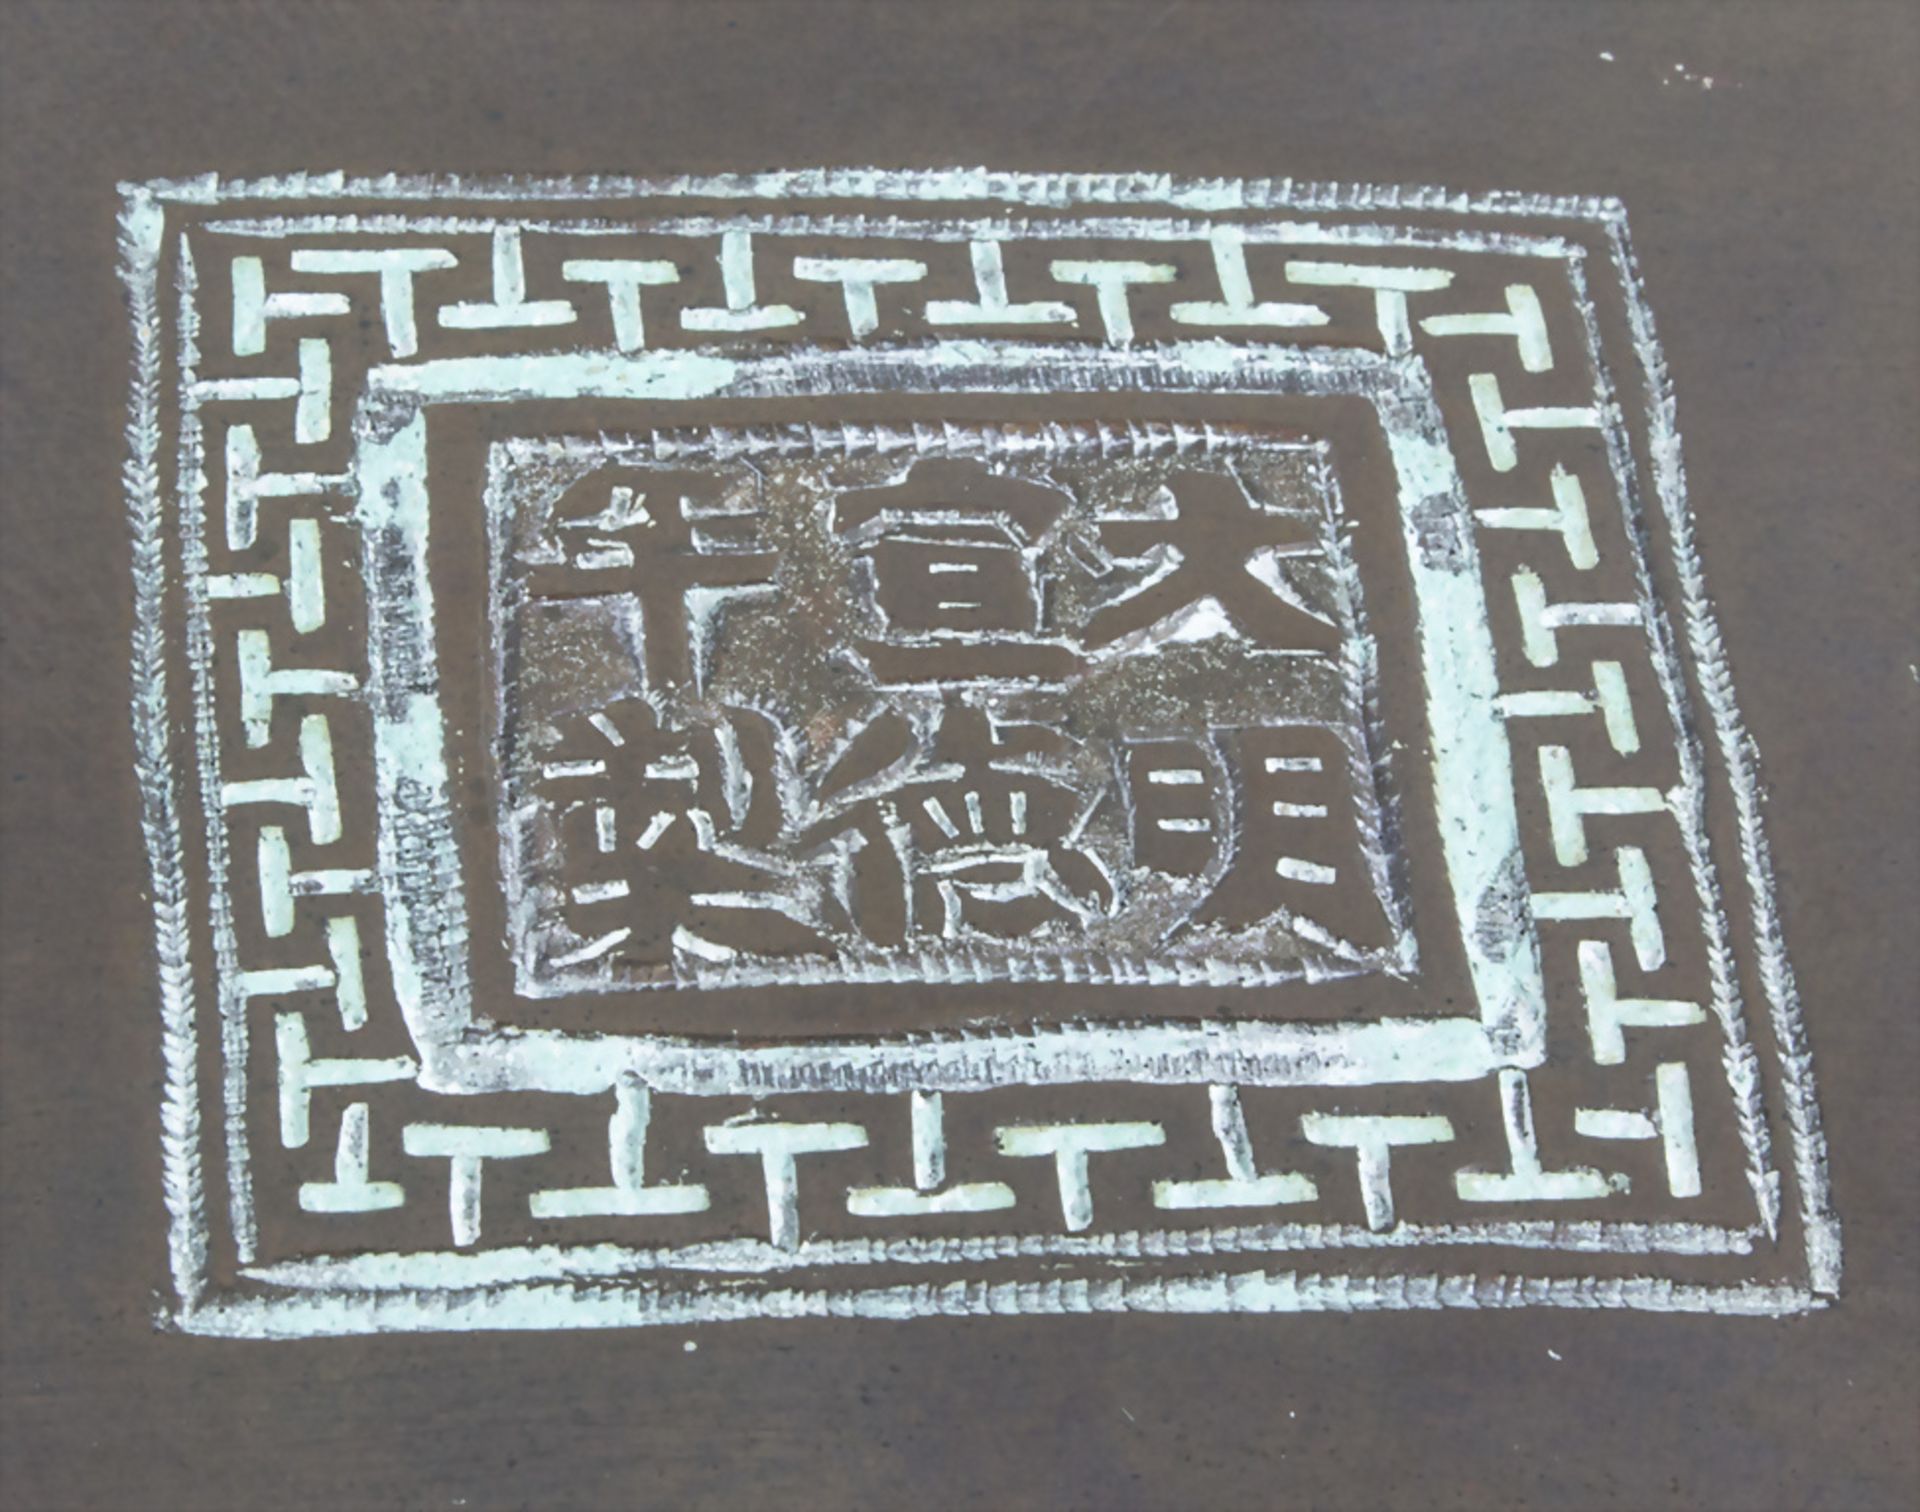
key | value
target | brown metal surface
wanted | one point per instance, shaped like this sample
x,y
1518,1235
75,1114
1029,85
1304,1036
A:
x,y
1763,153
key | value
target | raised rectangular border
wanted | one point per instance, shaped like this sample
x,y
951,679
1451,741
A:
x,y
541,1306
1473,776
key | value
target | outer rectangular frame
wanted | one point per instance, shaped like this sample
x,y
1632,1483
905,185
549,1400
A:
x,y
525,1302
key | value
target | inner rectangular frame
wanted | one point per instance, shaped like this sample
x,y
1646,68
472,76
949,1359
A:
x,y
989,442
1472,778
